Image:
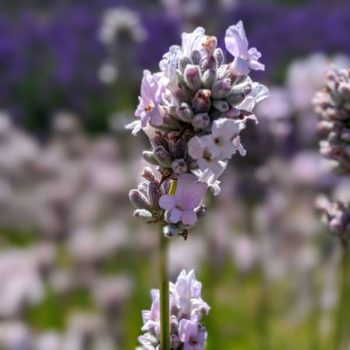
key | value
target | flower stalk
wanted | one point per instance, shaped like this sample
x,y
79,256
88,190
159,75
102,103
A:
x,y
341,334
164,293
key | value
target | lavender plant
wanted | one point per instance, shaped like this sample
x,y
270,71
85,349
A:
x,y
192,111
333,107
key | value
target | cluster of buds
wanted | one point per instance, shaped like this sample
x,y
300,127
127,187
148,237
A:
x,y
332,104
333,107
186,308
193,111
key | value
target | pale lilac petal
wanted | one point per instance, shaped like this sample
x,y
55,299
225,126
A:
x,y
167,202
187,329
259,93
169,62
255,65
191,193
239,146
208,143
195,147
240,66
193,41
189,217
175,215
254,56
134,126
226,128
236,40
156,117
146,86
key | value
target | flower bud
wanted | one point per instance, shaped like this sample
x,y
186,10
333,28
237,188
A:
x,y
138,200
193,77
154,194
148,174
219,56
159,140
210,44
201,121
172,135
169,230
183,62
180,77
177,148
163,156
184,112
244,88
174,322
344,90
201,101
234,98
221,105
201,211
221,88
149,157
174,341
143,214
170,123
232,113
345,135
179,166
208,62
209,78
195,57
165,186
143,188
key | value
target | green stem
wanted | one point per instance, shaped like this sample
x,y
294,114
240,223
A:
x,y
263,316
164,294
341,336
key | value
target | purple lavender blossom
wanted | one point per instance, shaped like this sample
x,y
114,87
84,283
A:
x,y
182,205
152,90
237,45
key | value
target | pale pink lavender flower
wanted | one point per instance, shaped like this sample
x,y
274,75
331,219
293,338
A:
x,y
237,45
152,90
205,152
182,205
224,131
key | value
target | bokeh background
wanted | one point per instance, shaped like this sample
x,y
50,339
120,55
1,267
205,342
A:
x,y
75,267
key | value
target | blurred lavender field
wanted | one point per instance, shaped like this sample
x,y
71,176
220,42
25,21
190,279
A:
x,y
75,266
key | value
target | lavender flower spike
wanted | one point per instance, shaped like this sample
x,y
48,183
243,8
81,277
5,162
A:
x,y
237,45
192,111
187,309
187,198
